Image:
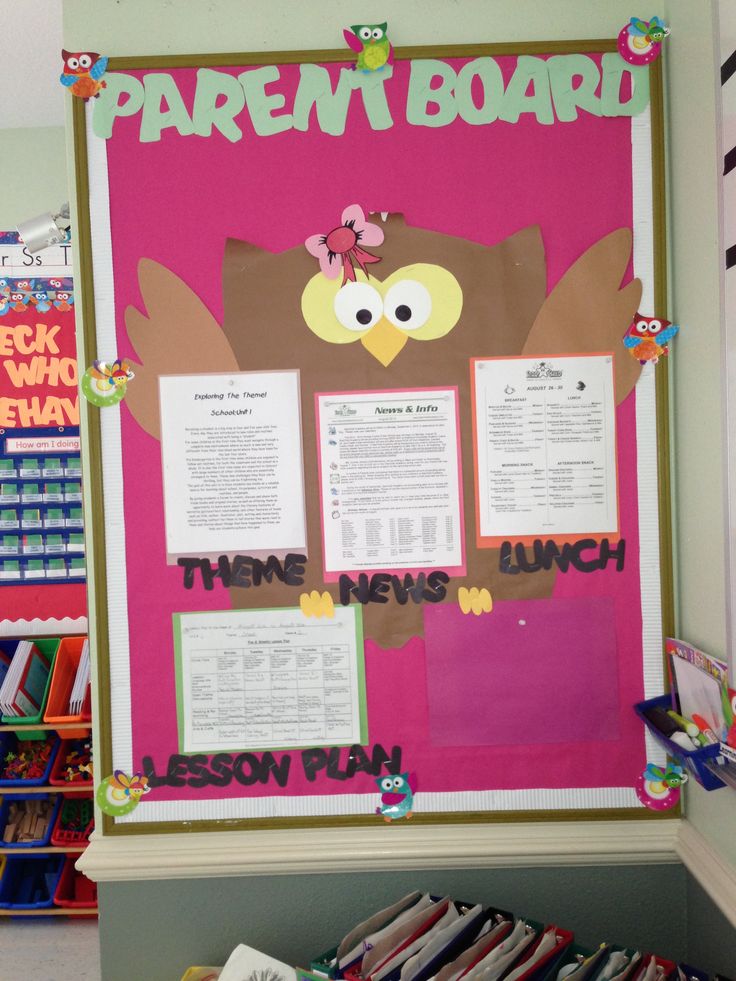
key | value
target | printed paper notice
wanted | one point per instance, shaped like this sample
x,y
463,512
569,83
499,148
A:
x,y
545,436
269,679
390,480
232,463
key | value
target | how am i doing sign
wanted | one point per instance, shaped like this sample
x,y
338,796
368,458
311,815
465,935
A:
x,y
551,89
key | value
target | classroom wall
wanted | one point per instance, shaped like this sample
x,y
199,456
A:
x,y
245,909
32,173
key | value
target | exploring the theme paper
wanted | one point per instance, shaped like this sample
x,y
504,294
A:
x,y
269,679
390,480
545,437
232,463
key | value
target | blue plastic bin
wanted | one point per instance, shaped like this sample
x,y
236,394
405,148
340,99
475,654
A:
x,y
694,761
5,813
9,744
30,881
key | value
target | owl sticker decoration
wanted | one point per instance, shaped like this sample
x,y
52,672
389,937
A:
x,y
640,41
106,384
397,797
372,45
659,788
82,73
120,794
647,337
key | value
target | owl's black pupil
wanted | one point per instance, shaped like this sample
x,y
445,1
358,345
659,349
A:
x,y
364,316
403,313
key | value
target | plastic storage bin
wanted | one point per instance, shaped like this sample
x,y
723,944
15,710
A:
x,y
74,889
78,810
9,743
62,682
695,761
30,881
56,778
5,814
48,646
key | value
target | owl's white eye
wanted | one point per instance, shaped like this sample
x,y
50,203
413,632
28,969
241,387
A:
x,y
73,63
655,326
408,304
358,306
84,61
398,782
387,783
641,326
377,33
364,33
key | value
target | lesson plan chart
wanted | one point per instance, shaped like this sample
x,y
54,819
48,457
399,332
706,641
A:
x,y
545,434
390,480
269,679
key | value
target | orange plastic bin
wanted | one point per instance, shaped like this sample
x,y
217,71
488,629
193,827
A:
x,y
62,682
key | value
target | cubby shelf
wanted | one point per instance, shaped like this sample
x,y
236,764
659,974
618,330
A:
x,y
51,911
47,727
46,789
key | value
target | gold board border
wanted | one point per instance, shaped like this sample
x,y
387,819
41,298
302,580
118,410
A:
x,y
93,478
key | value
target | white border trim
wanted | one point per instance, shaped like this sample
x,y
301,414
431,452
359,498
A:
x,y
325,805
38,627
112,454
382,848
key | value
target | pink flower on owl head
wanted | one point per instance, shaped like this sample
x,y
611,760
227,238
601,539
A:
x,y
342,248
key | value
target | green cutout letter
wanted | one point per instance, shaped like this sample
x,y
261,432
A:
x,y
421,94
206,112
261,106
108,105
160,88
568,98
529,71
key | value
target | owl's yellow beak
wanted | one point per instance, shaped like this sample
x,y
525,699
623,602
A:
x,y
384,341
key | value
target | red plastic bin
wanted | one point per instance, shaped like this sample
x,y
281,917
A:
x,y
75,890
66,838
57,773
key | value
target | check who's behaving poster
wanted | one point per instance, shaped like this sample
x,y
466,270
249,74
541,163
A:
x,y
389,475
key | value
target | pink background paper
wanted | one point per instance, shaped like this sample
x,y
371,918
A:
x,y
178,200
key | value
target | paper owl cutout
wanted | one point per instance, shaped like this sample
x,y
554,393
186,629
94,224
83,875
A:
x,y
105,384
647,338
659,789
432,303
372,46
397,799
120,794
82,73
640,42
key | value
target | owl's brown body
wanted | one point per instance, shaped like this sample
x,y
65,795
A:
x,y
505,312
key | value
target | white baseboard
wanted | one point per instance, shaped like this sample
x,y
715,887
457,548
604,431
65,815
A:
x,y
121,858
717,877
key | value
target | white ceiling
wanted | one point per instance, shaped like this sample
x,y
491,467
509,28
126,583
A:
x,y
30,91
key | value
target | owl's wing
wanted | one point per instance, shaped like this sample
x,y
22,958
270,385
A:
x,y
587,311
631,341
667,334
98,69
352,40
177,335
67,80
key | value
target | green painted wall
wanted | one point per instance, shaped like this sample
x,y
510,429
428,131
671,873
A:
x,y
32,173
295,917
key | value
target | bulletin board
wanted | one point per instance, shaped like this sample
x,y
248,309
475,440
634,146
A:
x,y
358,306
